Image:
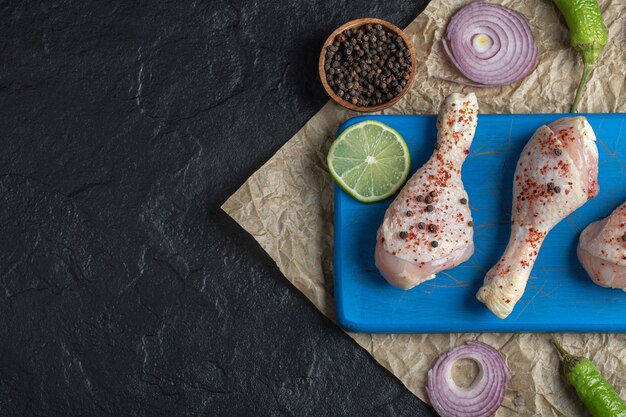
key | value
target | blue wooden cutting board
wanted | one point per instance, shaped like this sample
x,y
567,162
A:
x,y
559,296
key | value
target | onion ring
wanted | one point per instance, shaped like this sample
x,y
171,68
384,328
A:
x,y
486,393
490,44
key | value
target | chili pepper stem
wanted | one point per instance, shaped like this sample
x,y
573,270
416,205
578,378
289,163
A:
x,y
569,361
581,86
558,347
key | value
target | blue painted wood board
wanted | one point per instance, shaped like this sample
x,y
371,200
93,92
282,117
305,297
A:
x,y
559,296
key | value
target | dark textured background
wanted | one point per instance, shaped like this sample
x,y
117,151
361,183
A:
x,y
124,290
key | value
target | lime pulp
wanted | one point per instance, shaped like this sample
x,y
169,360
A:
x,y
370,161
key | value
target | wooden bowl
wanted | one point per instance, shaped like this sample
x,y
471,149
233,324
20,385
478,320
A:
x,y
356,24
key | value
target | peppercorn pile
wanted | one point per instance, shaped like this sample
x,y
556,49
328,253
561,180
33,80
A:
x,y
367,66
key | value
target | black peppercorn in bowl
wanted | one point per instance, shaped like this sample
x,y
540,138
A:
x,y
367,64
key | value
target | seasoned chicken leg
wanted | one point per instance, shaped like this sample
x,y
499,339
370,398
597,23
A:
x,y
428,227
556,174
602,250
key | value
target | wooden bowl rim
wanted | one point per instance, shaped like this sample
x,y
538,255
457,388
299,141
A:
x,y
358,23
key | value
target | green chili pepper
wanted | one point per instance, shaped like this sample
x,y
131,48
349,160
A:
x,y
595,391
588,35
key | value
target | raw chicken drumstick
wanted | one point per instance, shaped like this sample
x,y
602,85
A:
x,y
428,227
602,250
556,174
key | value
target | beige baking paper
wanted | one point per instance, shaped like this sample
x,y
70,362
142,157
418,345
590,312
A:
x,y
287,205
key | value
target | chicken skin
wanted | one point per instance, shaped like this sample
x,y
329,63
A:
x,y
556,174
602,250
428,227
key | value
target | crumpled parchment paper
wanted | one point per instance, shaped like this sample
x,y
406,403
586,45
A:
x,y
287,205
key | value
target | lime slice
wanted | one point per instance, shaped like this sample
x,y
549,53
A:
x,y
370,161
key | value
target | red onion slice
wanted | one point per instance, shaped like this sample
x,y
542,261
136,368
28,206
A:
x,y
486,393
490,44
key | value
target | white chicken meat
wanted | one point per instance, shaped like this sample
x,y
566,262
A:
x,y
428,227
602,250
556,174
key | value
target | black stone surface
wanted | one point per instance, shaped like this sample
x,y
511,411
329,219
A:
x,y
124,289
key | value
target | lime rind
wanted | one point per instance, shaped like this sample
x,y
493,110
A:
x,y
369,183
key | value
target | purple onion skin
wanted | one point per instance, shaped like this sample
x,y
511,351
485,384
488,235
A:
x,y
484,397
514,53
